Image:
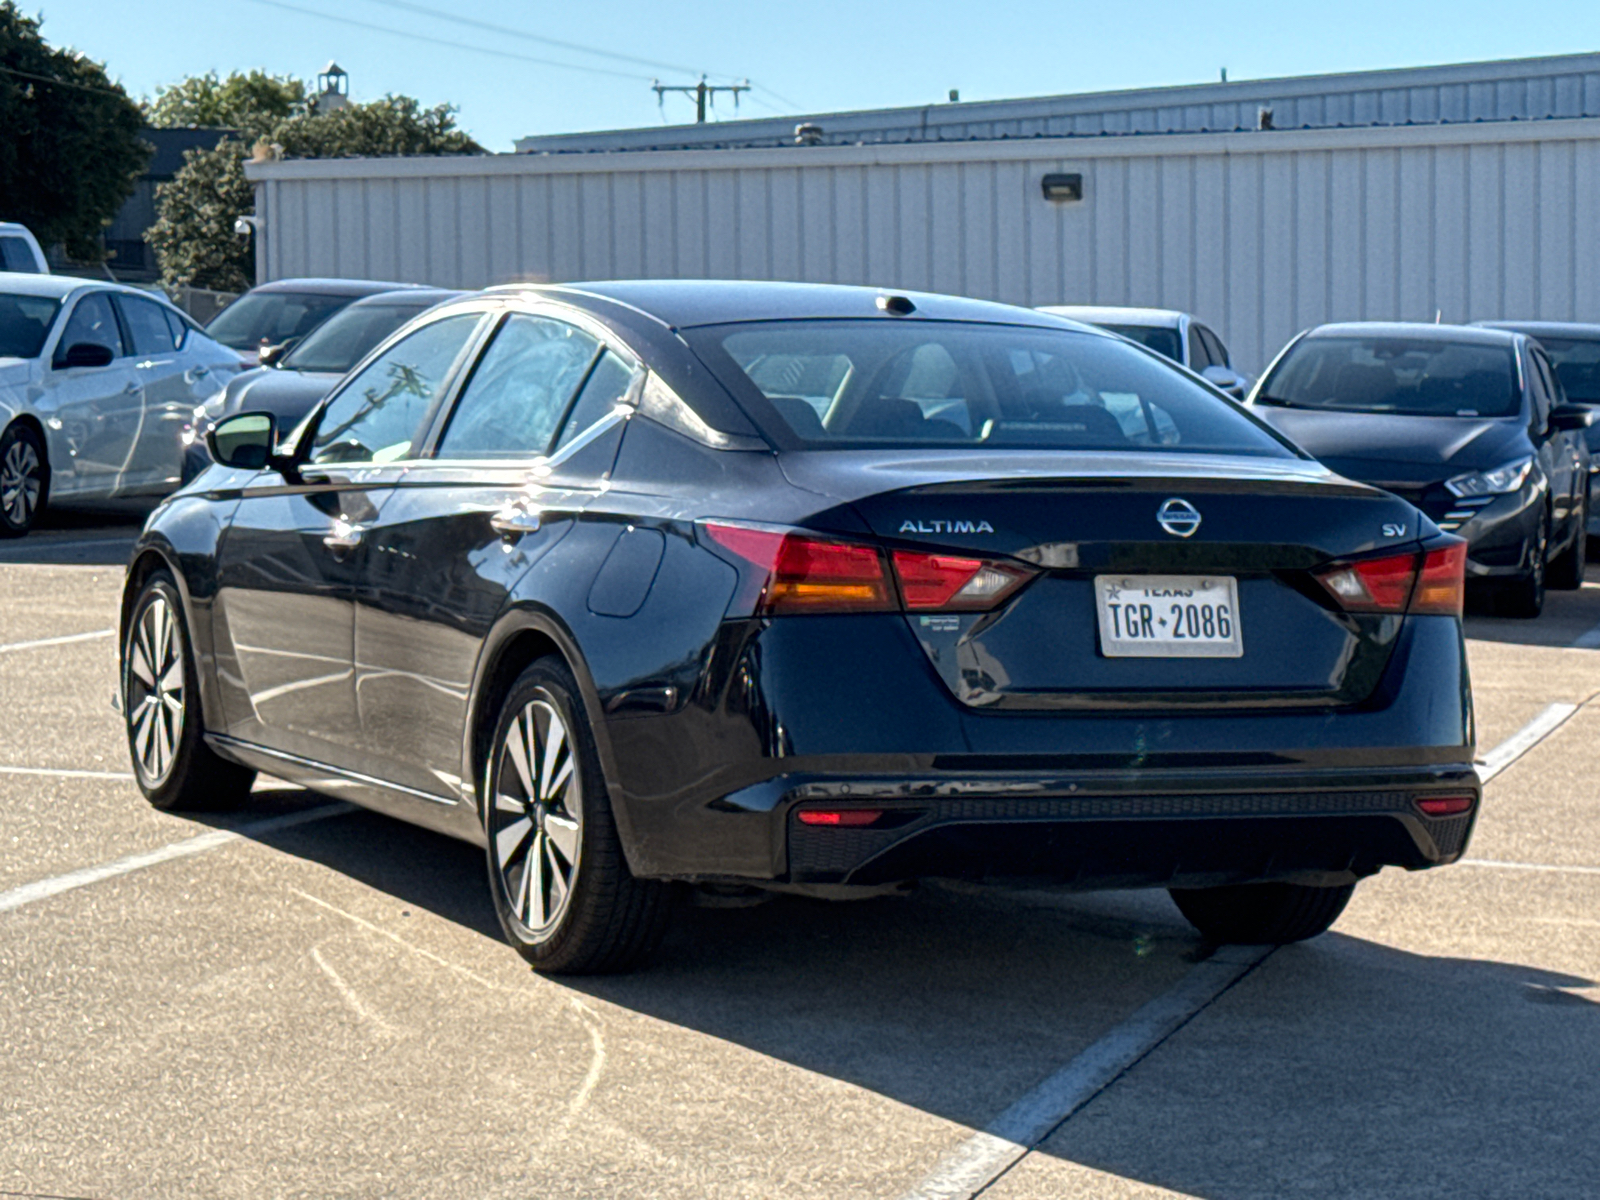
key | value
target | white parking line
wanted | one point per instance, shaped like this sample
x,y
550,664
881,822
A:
x,y
985,1156
66,774
199,844
1553,868
58,641
1525,739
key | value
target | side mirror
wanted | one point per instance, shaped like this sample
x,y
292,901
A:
x,y
244,441
1569,417
1224,378
86,354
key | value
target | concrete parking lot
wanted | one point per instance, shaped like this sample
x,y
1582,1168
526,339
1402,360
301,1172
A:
x,y
304,1000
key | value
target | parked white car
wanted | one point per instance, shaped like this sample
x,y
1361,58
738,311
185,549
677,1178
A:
x,y
1177,335
19,250
97,382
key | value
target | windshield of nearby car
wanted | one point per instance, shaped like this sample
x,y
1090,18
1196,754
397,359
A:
x,y
1577,362
271,317
344,339
24,323
1160,338
848,384
1409,376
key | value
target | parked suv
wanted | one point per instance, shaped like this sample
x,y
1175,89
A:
x,y
1470,425
19,250
1179,336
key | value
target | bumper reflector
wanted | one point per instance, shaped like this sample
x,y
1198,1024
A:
x,y
1443,806
840,817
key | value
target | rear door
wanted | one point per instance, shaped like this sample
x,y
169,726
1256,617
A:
x,y
165,388
508,475
290,561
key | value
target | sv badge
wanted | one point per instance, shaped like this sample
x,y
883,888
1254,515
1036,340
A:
x,y
1394,531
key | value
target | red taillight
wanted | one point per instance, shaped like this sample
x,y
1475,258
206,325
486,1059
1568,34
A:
x,y
1444,806
953,584
808,574
839,817
1442,586
1396,585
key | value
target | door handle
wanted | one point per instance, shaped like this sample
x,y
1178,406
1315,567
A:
x,y
343,536
515,521
132,389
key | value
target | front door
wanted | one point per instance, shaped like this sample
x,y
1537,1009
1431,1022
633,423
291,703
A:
x,y
290,562
92,414
504,484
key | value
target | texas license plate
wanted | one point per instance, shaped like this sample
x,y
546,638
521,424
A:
x,y
1168,616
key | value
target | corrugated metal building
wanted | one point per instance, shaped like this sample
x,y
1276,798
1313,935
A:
x,y
1262,232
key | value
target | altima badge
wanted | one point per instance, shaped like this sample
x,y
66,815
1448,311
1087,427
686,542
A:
x,y
1178,517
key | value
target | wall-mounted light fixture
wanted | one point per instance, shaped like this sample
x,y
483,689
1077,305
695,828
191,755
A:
x,y
1063,187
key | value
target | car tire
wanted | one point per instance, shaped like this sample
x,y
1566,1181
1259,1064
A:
x,y
1566,571
1523,596
561,884
24,479
1262,914
173,766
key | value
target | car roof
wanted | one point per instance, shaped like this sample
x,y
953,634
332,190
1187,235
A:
x,y
418,297
1157,318
687,303
1418,331
333,287
58,287
1564,329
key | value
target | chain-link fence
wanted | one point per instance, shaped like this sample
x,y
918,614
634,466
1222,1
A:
x,y
201,303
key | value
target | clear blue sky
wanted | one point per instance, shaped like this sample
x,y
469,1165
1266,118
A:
x,y
825,55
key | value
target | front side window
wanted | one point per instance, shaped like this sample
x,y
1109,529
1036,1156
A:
x,y
1199,359
1420,377
379,416
519,390
1577,365
345,338
147,325
951,384
1215,350
24,324
92,321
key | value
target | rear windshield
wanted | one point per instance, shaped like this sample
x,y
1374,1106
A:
x,y
24,323
852,384
271,317
1410,376
343,339
1159,338
1578,365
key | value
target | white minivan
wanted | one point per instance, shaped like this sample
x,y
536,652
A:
x,y
19,250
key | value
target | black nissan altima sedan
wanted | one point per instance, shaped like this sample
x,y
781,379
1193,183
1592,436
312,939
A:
x,y
818,590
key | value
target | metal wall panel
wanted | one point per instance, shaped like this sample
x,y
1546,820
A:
x,y
1262,234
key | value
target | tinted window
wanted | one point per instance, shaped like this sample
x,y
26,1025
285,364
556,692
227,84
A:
x,y
950,384
1577,364
378,416
518,390
607,384
345,338
1199,358
1159,338
92,321
271,317
17,255
180,326
1215,350
1545,394
24,324
147,325
1413,376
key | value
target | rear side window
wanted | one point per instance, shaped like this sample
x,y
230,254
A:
x,y
519,389
17,255
379,415
607,385
849,384
147,325
92,321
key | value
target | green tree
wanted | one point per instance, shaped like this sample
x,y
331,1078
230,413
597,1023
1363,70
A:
x,y
252,102
193,235
70,149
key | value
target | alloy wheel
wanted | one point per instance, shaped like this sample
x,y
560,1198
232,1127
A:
x,y
156,690
537,818
21,480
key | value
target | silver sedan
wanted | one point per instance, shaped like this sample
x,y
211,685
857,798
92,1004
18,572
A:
x,y
96,383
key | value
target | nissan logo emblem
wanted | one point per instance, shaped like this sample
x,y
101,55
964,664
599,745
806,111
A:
x,y
1178,517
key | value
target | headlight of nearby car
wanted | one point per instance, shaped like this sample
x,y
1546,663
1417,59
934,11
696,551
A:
x,y
1498,482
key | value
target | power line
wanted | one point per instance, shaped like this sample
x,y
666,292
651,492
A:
x,y
489,26
82,87
701,92
434,41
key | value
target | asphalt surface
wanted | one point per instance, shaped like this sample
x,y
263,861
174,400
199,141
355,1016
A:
x,y
325,1008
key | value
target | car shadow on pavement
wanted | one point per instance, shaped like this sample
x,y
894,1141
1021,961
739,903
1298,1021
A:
x,y
91,535
1341,1067
1566,618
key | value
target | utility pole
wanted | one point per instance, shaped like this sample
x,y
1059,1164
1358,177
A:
x,y
701,92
